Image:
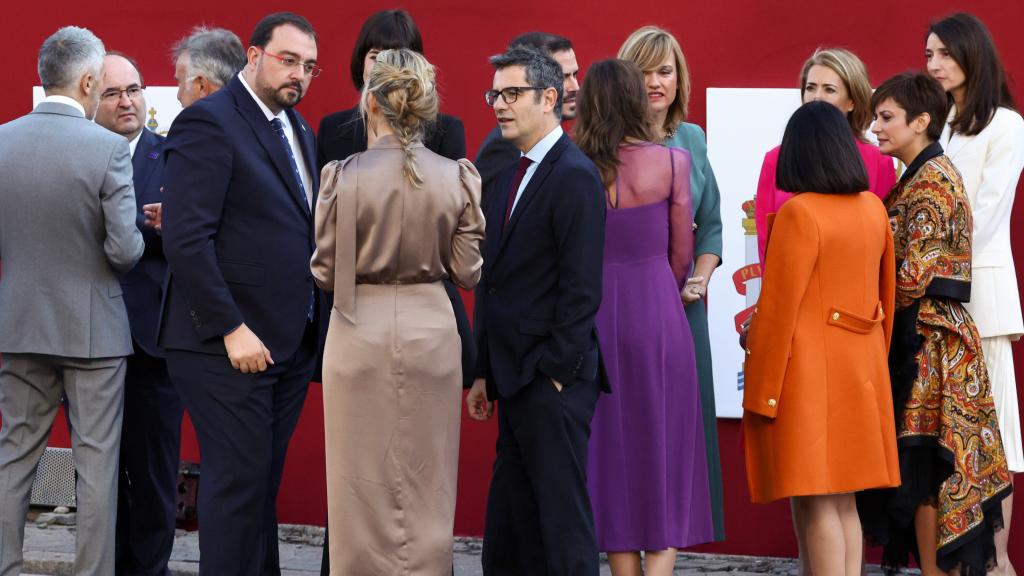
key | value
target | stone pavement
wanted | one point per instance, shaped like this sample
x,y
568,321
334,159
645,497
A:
x,y
50,551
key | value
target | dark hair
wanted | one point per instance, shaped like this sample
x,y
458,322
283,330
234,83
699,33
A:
x,y
541,71
970,45
612,107
819,153
264,29
130,61
916,93
543,41
385,30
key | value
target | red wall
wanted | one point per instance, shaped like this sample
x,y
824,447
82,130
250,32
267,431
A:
x,y
729,43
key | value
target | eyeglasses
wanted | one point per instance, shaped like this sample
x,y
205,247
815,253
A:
x,y
308,67
114,94
509,95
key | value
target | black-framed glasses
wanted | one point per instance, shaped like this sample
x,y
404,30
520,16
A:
x,y
308,67
114,94
509,95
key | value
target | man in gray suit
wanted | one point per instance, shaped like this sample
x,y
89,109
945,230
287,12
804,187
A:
x,y
67,228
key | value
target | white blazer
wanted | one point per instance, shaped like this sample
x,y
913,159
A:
x,y
991,163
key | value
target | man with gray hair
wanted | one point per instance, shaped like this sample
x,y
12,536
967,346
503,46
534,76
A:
x,y
205,61
63,325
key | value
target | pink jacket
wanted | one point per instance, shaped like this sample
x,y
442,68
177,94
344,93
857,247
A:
x,y
881,179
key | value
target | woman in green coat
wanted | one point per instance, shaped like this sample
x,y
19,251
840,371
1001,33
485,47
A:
x,y
658,54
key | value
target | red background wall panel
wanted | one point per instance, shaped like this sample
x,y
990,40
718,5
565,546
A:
x,y
730,43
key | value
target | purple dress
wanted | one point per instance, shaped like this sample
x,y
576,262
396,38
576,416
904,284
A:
x,y
646,471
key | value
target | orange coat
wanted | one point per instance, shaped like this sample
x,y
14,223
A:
x,y
818,414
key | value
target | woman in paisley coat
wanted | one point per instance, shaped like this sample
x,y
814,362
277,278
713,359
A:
x,y
952,463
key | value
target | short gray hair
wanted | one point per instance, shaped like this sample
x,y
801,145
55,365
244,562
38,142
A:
x,y
67,55
215,53
541,70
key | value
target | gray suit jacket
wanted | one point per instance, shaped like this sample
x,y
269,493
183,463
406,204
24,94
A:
x,y
67,228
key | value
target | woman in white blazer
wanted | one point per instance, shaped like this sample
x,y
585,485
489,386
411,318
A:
x,y
984,138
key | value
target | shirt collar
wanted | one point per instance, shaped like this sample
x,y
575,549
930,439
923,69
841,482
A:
x,y
134,143
541,148
61,99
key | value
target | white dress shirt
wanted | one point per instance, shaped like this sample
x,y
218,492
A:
x,y
536,154
289,132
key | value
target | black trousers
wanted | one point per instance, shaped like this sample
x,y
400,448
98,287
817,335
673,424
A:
x,y
243,423
539,521
147,484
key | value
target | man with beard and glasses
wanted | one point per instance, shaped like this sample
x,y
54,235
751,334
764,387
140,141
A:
x,y
497,153
241,312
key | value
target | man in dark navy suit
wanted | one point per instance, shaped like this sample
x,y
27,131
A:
x,y
151,427
240,315
537,345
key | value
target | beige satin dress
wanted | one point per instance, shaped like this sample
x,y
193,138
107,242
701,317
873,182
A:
x,y
392,364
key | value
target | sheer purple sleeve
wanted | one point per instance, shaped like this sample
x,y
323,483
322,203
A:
x,y
680,249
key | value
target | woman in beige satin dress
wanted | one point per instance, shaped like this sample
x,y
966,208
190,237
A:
x,y
391,223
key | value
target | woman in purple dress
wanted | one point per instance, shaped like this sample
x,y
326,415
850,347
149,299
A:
x,y
646,468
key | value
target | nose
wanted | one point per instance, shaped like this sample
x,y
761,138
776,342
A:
x,y
123,100
651,78
572,84
875,128
931,63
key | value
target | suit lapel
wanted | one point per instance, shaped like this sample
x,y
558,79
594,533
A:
x,y
532,190
147,155
270,141
307,146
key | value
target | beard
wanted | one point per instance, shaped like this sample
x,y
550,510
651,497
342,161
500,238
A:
x,y
286,96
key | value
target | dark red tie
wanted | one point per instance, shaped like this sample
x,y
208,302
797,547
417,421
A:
x,y
521,167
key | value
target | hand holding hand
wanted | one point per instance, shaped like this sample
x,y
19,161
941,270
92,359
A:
x,y
246,351
480,408
693,290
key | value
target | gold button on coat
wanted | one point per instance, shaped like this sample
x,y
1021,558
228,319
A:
x,y
772,402
835,315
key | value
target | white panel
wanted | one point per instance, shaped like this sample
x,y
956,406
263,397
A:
x,y
742,124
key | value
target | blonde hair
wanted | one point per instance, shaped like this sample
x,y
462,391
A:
x,y
648,48
402,84
854,74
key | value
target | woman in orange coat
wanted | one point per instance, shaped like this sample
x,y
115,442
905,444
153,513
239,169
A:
x,y
818,414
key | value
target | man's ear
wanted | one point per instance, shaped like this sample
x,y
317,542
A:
x,y
251,55
550,98
87,83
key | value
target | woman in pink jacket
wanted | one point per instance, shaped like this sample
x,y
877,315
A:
x,y
838,77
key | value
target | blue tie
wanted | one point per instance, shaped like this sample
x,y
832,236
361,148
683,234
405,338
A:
x,y
279,128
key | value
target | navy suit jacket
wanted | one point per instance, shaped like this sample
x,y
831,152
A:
x,y
541,284
143,286
493,157
238,234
